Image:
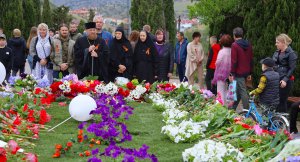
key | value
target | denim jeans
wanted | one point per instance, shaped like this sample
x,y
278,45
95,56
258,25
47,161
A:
x,y
181,71
241,92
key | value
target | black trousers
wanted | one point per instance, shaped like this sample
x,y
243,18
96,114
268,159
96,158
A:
x,y
293,117
283,95
208,78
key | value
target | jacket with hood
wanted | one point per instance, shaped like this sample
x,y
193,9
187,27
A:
x,y
285,64
241,58
212,56
181,52
18,46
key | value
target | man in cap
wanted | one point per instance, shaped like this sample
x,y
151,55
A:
x,y
91,54
268,88
5,55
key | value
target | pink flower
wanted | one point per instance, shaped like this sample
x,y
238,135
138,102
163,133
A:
x,y
30,157
13,146
62,104
257,130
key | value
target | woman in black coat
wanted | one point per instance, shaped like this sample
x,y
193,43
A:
x,y
144,59
121,56
165,57
18,46
285,59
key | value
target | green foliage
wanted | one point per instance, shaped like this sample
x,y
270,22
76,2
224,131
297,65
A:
x,y
91,15
61,15
37,12
262,22
81,26
30,18
156,13
47,14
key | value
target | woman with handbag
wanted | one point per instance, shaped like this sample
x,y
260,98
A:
x,y
40,48
285,63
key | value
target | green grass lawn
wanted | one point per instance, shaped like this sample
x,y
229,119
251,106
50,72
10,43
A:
x,y
144,125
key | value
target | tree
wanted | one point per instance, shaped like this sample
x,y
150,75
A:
x,y
29,16
262,22
61,15
37,11
91,15
81,27
13,17
47,14
159,15
170,20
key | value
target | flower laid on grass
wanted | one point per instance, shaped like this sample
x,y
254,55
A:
x,y
186,131
209,150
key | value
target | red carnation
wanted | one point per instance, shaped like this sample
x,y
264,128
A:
x,y
130,86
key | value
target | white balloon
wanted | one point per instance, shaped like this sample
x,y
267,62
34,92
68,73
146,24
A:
x,y
2,72
81,106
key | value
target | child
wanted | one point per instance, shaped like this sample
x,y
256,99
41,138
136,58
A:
x,y
5,55
268,88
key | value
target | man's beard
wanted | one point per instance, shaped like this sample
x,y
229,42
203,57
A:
x,y
92,36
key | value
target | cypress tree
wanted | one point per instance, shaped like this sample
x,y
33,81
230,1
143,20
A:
x,y
47,14
91,15
170,19
14,16
29,16
61,15
37,10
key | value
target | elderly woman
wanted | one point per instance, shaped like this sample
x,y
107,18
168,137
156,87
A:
x,y
285,59
144,59
223,66
195,55
40,48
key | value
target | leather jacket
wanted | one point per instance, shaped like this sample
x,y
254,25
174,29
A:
x,y
285,64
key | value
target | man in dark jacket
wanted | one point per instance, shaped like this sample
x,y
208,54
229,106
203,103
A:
x,y
180,54
5,55
241,66
18,47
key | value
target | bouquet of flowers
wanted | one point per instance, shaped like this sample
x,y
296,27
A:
x,y
209,150
186,131
23,81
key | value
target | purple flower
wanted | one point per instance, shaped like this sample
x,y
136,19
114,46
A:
x,y
128,158
81,125
94,159
42,83
70,77
12,80
95,152
207,93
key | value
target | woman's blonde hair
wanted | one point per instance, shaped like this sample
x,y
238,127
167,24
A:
x,y
283,38
17,33
43,25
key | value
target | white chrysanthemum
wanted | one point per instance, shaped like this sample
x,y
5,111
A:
x,y
209,150
185,131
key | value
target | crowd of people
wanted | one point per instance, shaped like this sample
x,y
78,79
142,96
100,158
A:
x,y
151,58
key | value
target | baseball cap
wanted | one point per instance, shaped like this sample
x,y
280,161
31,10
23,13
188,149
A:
x,y
268,61
2,36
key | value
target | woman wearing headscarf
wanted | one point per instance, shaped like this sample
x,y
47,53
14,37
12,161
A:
x,y
144,59
40,48
121,56
165,57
